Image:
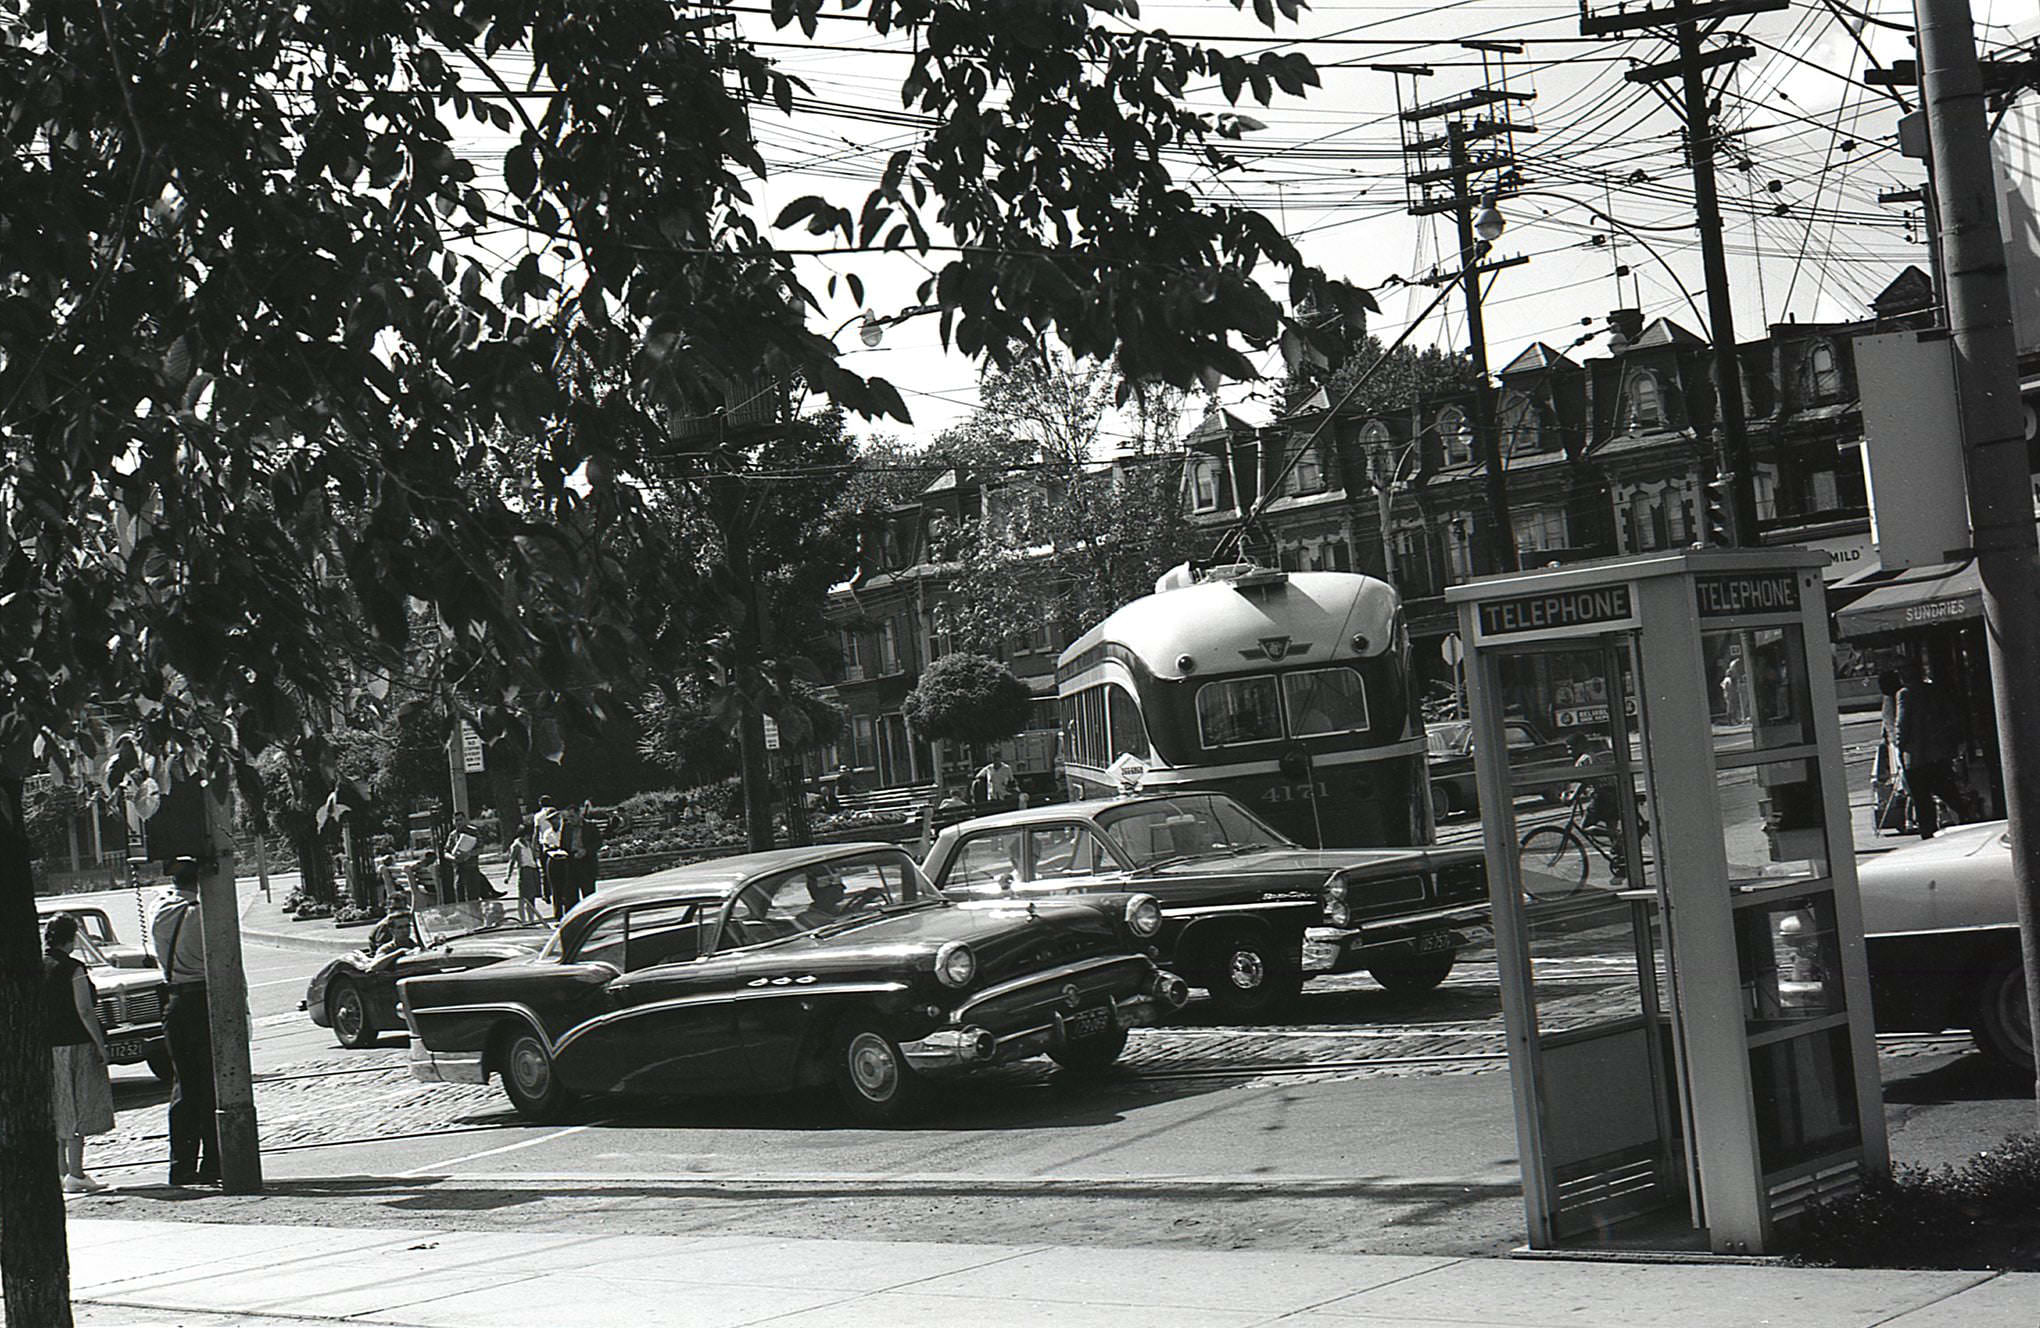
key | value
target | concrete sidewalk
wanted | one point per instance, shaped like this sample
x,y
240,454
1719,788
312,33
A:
x,y
159,1273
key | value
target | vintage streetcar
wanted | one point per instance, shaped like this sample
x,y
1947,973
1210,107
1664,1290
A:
x,y
356,994
831,966
1246,913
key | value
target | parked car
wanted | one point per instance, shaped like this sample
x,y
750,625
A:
x,y
129,1002
1941,923
97,927
356,994
1450,760
824,966
1238,900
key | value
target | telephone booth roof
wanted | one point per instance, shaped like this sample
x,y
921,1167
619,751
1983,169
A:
x,y
1636,567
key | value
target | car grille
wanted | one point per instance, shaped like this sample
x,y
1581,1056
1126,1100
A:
x,y
1463,884
141,1007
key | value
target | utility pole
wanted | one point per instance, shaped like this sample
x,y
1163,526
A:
x,y
1467,185
1993,427
1689,24
226,985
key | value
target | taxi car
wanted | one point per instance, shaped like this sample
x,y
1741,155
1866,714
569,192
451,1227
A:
x,y
129,1002
1449,760
822,967
1246,913
97,927
356,994
1941,929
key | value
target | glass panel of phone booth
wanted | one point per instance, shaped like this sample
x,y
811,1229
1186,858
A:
x,y
1773,823
1590,923
1765,699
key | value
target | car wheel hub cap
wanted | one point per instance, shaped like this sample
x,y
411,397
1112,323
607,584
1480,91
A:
x,y
873,1068
347,1013
1247,971
527,1063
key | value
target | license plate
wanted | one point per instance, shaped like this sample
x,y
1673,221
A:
x,y
124,1051
1087,1023
1433,941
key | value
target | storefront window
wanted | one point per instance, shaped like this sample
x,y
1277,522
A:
x,y
1763,689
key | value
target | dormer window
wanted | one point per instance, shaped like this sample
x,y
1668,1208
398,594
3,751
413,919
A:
x,y
1203,485
1643,402
1823,374
1455,435
1306,476
1522,424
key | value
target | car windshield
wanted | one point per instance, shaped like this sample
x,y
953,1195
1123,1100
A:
x,y
88,953
1449,739
1190,825
444,922
823,898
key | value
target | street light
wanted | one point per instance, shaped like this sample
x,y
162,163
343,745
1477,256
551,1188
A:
x,y
1489,223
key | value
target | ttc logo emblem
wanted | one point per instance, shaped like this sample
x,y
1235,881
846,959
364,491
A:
x,y
1275,649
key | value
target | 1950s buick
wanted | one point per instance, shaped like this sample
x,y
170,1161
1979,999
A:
x,y
833,965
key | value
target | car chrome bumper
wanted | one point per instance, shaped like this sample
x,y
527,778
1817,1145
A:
x,y
1343,949
962,1048
446,1067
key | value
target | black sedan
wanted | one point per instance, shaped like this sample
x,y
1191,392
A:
x,y
356,994
1450,760
1246,913
832,965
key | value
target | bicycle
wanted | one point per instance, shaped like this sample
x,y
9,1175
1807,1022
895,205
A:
x,y
1552,859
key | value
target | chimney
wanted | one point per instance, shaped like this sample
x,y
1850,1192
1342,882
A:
x,y
1624,327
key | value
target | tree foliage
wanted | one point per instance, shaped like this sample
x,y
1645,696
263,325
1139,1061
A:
x,y
1065,537
967,698
281,279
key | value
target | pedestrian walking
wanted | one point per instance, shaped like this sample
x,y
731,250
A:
x,y
1926,749
549,825
525,875
177,933
587,848
1887,786
81,1094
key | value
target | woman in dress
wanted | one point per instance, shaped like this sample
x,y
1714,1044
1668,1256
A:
x,y
81,1096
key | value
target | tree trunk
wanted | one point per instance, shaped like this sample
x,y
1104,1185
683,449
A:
x,y
757,778
35,1265
315,861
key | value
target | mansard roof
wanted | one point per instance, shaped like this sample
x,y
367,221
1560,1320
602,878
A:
x,y
1535,357
1664,332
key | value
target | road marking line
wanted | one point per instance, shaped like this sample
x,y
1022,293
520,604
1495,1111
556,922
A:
x,y
435,1168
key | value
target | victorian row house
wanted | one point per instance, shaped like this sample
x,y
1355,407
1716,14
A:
x,y
1603,455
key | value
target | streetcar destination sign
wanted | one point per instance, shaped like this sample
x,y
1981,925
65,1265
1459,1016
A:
x,y
1558,611
1732,594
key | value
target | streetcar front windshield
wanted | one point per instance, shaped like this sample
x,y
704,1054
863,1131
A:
x,y
1236,710
1186,826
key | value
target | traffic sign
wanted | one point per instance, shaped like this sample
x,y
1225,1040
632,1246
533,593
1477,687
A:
x,y
1452,648
473,759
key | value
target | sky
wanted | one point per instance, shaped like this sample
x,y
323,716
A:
x,y
1808,148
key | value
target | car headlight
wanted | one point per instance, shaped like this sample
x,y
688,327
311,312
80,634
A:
x,y
1337,912
1143,916
955,965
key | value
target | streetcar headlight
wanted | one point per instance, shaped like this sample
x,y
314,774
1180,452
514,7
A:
x,y
1143,916
955,965
1337,912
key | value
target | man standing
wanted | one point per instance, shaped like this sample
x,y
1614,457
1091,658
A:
x,y
177,934
998,782
1926,749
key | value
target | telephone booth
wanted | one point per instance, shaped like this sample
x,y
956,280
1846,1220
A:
x,y
1658,757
